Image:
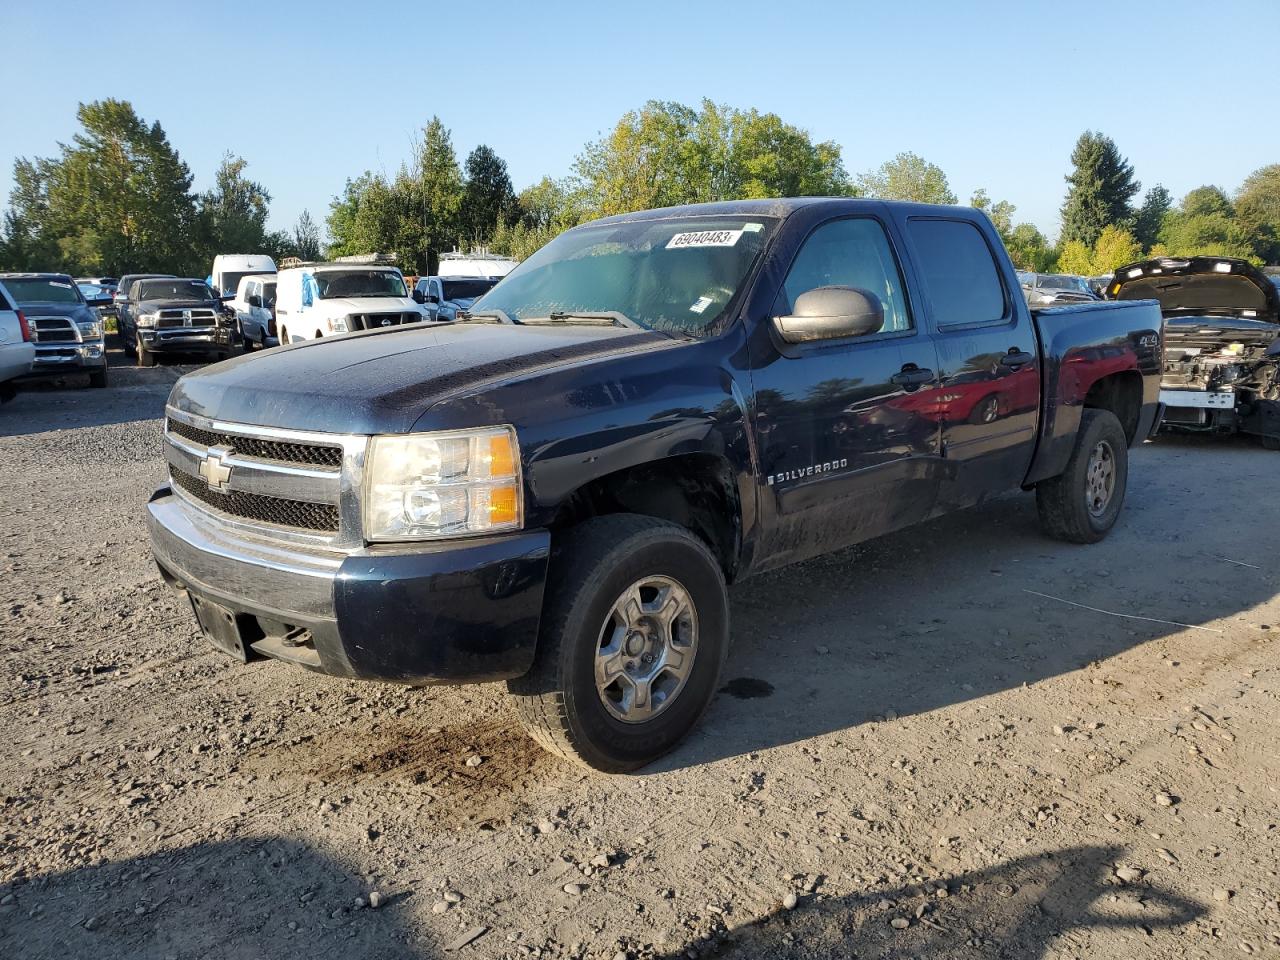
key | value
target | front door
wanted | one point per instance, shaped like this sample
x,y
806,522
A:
x,y
988,361
847,449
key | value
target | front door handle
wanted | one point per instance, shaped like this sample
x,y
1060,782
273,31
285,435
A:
x,y
1016,358
912,377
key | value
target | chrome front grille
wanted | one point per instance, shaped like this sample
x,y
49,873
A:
x,y
54,330
373,321
299,486
197,317
280,451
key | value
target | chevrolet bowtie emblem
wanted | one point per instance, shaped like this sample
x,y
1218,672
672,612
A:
x,y
214,471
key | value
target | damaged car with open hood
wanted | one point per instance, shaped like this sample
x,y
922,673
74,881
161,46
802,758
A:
x,y
1221,343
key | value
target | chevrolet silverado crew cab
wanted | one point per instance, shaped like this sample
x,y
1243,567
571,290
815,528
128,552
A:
x,y
554,490
1221,343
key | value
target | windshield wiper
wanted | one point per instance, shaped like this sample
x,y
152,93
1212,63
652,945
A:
x,y
492,313
603,316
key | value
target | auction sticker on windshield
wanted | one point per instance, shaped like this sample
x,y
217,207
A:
x,y
705,238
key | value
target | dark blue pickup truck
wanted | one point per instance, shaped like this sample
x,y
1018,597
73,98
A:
x,y
556,489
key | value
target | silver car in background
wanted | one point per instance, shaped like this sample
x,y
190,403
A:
x,y
1055,289
16,349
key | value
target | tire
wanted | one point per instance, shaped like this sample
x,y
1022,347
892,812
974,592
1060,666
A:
x,y
246,344
284,336
1069,504
986,411
1271,443
145,357
592,567
98,378
128,345
7,392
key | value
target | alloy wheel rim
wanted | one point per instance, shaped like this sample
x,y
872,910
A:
x,y
646,649
1100,479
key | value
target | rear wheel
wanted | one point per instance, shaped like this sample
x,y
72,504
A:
x,y
635,629
1082,504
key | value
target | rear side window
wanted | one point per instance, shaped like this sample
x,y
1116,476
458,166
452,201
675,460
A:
x,y
849,253
4,302
958,271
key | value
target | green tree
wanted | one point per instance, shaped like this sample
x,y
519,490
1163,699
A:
x,y
666,154
1258,210
1075,257
233,215
1116,247
907,177
117,198
1001,212
1205,224
363,219
1029,250
488,196
306,237
1100,188
1146,224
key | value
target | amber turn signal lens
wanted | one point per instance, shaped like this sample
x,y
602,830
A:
x,y
502,461
502,505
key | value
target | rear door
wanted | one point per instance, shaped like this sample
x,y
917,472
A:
x,y
847,451
988,402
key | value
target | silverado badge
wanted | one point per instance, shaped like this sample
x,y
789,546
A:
x,y
214,472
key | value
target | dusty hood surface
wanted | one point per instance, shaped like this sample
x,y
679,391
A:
x,y
382,381
1200,286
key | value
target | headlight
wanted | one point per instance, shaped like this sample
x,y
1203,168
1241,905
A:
x,y
90,330
147,319
428,486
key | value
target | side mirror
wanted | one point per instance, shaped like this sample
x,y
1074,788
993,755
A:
x,y
432,298
255,300
100,301
829,313
418,296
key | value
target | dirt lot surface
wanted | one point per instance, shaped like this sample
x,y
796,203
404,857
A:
x,y
915,754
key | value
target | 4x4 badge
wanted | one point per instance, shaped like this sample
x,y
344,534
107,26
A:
x,y
213,471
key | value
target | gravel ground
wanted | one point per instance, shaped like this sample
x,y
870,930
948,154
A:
x,y
915,752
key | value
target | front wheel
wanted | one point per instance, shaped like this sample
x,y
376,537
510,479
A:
x,y
635,629
98,378
1082,504
145,357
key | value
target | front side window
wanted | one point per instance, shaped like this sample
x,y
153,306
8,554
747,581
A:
x,y
958,272
849,253
42,290
332,284
675,275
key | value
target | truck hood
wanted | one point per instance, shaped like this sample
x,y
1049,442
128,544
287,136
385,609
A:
x,y
382,381
1200,286
344,305
72,311
145,306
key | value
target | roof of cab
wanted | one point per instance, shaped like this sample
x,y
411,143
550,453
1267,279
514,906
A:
x,y
783,207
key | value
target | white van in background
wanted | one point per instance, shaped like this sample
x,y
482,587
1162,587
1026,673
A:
x,y
463,279
230,268
318,299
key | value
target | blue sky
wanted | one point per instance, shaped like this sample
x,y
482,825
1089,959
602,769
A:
x,y
994,93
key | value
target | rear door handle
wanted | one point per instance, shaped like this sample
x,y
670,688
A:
x,y
912,377
1016,358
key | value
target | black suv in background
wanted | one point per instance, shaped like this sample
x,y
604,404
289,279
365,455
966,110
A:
x,y
64,325
179,315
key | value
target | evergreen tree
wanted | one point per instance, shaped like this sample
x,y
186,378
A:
x,y
1100,189
488,196
233,215
1146,225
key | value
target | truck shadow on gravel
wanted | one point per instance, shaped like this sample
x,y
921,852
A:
x,y
940,614
238,898
1030,908
274,897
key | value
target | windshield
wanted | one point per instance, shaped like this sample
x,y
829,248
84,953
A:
x,y
466,289
43,290
172,290
359,283
1058,282
92,290
677,275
